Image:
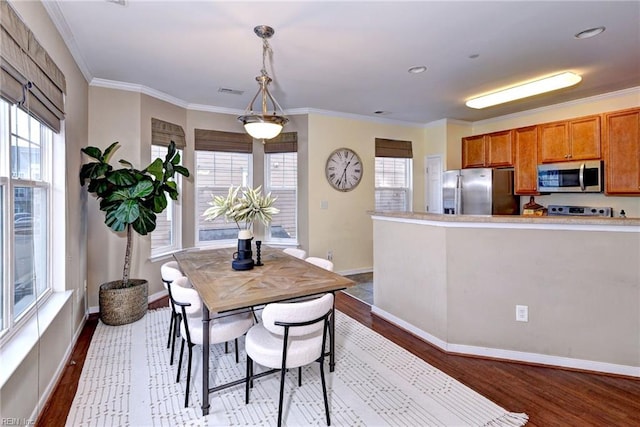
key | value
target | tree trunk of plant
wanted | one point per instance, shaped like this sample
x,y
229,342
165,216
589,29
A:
x,y
127,257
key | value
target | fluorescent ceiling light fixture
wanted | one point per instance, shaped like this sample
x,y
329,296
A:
x,y
525,90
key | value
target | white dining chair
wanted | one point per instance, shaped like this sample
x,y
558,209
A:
x,y
291,335
296,252
320,262
170,271
222,327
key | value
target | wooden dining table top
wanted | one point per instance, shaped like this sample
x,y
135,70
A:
x,y
281,277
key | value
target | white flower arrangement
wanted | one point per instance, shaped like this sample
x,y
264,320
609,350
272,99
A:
x,y
243,205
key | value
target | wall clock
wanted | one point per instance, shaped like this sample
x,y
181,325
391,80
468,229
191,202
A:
x,y
343,169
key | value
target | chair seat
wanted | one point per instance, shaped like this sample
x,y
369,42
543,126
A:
x,y
265,348
221,329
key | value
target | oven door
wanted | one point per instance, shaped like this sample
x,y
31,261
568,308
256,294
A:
x,y
574,177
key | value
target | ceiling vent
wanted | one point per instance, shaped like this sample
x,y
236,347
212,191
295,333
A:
x,y
230,91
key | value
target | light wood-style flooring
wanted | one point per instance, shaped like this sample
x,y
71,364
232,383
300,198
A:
x,y
551,397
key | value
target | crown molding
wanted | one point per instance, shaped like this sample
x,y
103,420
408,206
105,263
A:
x,y
53,10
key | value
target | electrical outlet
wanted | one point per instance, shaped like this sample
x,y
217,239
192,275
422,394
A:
x,y
522,313
330,255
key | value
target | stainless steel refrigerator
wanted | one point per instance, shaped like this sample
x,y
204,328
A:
x,y
481,191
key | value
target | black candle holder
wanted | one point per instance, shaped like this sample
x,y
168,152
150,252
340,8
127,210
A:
x,y
258,261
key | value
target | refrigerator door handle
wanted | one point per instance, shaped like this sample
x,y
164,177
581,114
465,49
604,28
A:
x,y
458,195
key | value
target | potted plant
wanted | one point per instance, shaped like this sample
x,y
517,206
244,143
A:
x,y
130,199
243,206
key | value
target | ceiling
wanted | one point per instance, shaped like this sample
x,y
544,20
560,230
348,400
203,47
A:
x,y
352,58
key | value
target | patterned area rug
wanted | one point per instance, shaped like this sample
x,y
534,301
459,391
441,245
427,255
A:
x,y
127,381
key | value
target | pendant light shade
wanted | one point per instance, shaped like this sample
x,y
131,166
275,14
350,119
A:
x,y
265,123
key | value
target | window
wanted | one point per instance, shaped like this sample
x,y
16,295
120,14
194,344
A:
x,y
216,171
25,200
393,184
282,181
167,237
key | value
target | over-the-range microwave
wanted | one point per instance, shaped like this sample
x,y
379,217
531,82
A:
x,y
571,177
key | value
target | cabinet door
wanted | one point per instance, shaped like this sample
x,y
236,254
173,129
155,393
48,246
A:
x,y
499,148
553,142
473,151
622,152
584,138
526,160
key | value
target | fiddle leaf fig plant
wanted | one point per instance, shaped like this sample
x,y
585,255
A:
x,y
131,198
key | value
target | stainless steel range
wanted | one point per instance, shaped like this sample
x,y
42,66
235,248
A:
x,y
560,210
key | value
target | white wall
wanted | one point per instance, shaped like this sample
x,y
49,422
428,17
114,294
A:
x,y
28,385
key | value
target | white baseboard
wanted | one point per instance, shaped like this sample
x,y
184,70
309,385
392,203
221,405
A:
x,y
355,271
151,298
510,355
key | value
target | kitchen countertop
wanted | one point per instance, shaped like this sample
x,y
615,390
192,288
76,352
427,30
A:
x,y
511,219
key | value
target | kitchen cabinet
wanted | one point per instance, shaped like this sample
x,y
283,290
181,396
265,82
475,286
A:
x,y
622,152
490,150
526,160
473,151
577,139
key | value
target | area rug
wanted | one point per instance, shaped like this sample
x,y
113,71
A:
x,y
127,381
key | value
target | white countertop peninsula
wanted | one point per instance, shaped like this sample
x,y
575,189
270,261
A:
x,y
455,281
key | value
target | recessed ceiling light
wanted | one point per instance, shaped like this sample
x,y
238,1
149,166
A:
x,y
591,32
418,69
535,87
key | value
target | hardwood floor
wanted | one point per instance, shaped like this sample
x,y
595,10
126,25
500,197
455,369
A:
x,y
551,397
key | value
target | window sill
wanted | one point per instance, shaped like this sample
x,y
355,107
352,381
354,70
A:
x,y
16,349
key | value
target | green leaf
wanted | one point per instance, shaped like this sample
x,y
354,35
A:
x,y
122,178
93,152
156,169
181,170
146,221
109,152
159,203
141,190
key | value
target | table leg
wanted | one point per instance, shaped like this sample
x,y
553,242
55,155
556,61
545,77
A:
x,y
205,360
332,335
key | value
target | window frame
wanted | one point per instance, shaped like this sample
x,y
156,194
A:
x,y
268,188
10,323
175,207
408,190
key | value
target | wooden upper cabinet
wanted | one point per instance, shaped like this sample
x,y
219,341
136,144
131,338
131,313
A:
x,y
584,137
490,150
473,151
577,139
526,160
499,148
622,152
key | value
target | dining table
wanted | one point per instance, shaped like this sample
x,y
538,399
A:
x,y
280,277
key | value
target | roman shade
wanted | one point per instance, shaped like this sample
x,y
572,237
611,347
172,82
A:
x,y
162,133
286,142
230,142
27,69
393,148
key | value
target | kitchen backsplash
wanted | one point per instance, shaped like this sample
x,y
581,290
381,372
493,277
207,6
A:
x,y
630,205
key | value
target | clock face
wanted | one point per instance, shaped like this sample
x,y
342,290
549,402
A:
x,y
343,169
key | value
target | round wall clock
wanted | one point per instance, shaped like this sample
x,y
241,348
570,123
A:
x,y
343,169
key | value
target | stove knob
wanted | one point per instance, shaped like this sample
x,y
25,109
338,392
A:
x,y
601,211
594,211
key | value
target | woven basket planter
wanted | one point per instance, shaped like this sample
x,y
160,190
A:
x,y
121,305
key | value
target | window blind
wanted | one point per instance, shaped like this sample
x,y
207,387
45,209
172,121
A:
x,y
230,142
286,142
162,133
26,66
393,148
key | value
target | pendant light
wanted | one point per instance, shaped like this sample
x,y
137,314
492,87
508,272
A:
x,y
263,124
